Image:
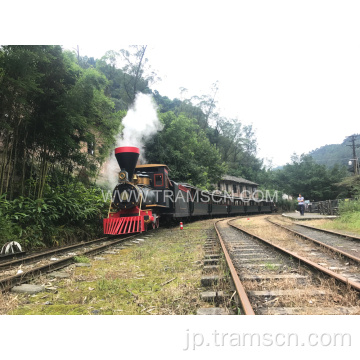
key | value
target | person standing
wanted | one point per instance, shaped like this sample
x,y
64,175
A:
x,y
301,204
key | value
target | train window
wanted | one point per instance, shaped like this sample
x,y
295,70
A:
x,y
234,188
167,181
159,181
227,187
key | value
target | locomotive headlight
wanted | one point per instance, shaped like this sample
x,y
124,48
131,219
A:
x,y
122,175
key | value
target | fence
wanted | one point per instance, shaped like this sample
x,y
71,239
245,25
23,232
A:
x,y
327,207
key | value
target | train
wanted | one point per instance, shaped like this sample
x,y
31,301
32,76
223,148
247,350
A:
x,y
145,194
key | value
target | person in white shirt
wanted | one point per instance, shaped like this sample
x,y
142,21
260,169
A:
x,y
301,204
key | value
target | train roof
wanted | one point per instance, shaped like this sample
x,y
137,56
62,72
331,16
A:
x,y
145,166
195,188
238,180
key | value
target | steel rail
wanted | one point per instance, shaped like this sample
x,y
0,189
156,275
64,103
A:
x,y
19,254
7,283
314,265
348,237
244,300
333,249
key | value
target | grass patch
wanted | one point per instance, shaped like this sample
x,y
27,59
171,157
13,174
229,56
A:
x,y
348,222
81,259
349,215
159,276
270,266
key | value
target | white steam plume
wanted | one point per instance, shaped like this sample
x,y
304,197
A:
x,y
140,124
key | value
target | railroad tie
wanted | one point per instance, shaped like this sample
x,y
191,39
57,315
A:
x,y
298,278
214,311
210,268
340,310
210,280
211,262
213,296
295,292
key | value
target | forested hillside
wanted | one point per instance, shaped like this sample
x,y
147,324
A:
x,y
330,155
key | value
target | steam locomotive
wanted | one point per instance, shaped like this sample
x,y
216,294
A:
x,y
145,193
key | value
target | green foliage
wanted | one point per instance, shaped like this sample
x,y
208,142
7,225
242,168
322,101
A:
x,y
135,76
350,186
235,142
184,147
8,229
51,111
65,213
349,206
283,205
315,182
81,259
349,215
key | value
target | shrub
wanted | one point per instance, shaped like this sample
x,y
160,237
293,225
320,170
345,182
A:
x,y
350,214
65,214
351,206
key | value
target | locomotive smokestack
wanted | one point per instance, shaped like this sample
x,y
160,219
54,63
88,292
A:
x,y
127,157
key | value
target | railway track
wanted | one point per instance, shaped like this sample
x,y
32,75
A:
x,y
33,266
333,251
346,236
272,280
17,259
344,245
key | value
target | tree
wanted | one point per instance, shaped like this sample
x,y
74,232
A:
x,y
51,108
349,187
207,104
137,73
184,147
305,176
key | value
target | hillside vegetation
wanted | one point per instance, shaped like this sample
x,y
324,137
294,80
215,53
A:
x,y
331,155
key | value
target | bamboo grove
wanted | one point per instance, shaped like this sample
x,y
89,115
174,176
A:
x,y
50,111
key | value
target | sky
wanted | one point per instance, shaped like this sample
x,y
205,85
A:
x,y
300,88
291,70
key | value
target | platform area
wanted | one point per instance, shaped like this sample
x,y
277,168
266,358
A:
x,y
307,216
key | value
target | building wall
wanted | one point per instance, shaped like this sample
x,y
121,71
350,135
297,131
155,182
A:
x,y
235,188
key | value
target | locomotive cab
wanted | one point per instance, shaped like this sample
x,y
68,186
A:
x,y
157,177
